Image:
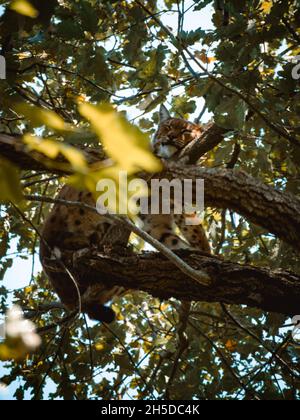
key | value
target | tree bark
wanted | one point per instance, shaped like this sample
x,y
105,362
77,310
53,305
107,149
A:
x,y
276,211
274,291
212,136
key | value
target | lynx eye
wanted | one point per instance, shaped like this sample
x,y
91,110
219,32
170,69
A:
x,y
169,139
186,134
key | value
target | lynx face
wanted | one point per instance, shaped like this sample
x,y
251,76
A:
x,y
173,135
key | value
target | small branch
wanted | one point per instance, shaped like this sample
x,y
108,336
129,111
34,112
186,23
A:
x,y
202,112
63,321
281,361
290,29
226,363
235,156
183,343
211,137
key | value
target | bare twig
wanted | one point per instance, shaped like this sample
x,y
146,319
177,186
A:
x,y
226,363
254,336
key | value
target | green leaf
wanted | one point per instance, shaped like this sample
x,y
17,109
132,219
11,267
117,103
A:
x,y
10,187
184,106
192,37
231,113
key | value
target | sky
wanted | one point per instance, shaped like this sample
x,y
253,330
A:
x,y
19,275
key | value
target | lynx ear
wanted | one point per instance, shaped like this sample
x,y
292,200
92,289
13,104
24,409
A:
x,y
164,114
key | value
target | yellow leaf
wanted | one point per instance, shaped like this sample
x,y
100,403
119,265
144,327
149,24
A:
x,y
217,217
231,345
124,143
204,58
24,7
13,350
164,307
75,157
5,352
48,148
134,383
23,55
51,119
39,117
28,290
81,98
267,6
99,346
53,148
10,187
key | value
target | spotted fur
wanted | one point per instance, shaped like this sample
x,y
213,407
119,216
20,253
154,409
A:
x,y
70,229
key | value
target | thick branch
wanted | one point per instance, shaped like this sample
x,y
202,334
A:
x,y
275,291
14,149
276,211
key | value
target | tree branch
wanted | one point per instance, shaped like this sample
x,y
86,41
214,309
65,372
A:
x,y
275,291
199,276
276,211
14,149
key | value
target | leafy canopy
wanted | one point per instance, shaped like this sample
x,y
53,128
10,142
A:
x,y
73,67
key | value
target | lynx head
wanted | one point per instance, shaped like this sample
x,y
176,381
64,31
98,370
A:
x,y
173,134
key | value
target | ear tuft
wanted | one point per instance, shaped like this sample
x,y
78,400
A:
x,y
164,114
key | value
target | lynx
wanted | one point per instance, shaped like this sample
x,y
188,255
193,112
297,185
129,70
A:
x,y
68,229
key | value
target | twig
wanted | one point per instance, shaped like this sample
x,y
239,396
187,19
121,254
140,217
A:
x,y
51,365
63,321
183,343
223,232
128,354
249,332
90,346
225,361
258,372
